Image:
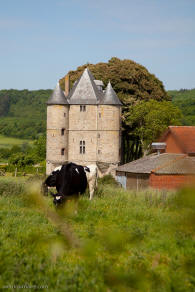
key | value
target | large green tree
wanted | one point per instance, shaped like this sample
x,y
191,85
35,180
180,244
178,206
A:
x,y
134,85
146,121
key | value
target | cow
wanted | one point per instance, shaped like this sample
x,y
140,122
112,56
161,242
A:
x,y
71,179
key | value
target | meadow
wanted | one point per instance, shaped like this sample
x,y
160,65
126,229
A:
x,y
8,142
120,241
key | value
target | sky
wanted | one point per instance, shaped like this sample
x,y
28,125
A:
x,y
41,40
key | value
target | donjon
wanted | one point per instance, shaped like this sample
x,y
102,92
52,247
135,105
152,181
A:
x,y
84,126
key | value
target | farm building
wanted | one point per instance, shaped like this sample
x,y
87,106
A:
x,y
84,125
172,167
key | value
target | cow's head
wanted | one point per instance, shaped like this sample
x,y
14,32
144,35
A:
x,y
51,179
58,199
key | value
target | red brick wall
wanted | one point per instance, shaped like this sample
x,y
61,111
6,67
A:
x,y
170,181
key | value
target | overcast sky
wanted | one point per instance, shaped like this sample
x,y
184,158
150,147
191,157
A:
x,y
41,40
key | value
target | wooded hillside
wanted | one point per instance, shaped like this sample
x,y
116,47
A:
x,y
23,112
185,100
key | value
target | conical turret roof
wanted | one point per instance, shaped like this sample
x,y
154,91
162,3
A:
x,y
57,96
110,96
85,90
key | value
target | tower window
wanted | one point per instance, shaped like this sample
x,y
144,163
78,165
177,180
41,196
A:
x,y
62,132
82,147
82,108
62,151
64,114
98,135
99,151
99,115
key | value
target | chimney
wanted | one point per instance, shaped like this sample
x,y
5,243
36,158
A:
x,y
67,85
159,146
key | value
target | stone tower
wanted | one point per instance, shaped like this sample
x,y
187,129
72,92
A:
x,y
85,126
109,128
57,129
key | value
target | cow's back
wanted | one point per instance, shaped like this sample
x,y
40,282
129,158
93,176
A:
x,y
71,180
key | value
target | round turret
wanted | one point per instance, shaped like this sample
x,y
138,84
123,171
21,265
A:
x,y
109,127
57,129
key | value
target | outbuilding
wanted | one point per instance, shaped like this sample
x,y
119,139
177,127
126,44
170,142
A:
x,y
165,169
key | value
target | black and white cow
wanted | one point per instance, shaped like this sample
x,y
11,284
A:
x,y
72,179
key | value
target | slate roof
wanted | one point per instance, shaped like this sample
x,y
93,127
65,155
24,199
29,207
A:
x,y
184,136
85,90
110,96
57,96
166,163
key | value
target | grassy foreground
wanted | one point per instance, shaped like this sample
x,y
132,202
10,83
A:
x,y
120,241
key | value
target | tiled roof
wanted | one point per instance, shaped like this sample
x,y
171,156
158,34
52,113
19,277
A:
x,y
166,163
57,96
148,163
185,165
85,90
184,135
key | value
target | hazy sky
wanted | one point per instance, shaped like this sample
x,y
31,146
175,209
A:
x,y
41,40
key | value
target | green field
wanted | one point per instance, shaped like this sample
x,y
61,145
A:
x,y
120,241
8,142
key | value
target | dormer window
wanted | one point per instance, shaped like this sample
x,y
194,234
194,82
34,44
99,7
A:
x,y
82,108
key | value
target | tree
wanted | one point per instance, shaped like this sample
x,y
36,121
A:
x,y
147,120
39,149
131,81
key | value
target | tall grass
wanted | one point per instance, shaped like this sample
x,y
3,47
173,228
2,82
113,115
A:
x,y
120,241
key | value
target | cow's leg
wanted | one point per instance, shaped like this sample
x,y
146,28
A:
x,y
91,188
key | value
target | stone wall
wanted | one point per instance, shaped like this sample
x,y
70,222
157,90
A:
x,y
109,125
99,126
57,120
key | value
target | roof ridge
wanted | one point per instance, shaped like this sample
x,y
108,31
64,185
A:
x,y
93,82
169,162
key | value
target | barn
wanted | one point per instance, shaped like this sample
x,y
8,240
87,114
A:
x,y
170,168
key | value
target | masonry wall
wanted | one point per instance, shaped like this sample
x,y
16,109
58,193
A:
x,y
170,181
83,127
99,127
109,134
57,119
